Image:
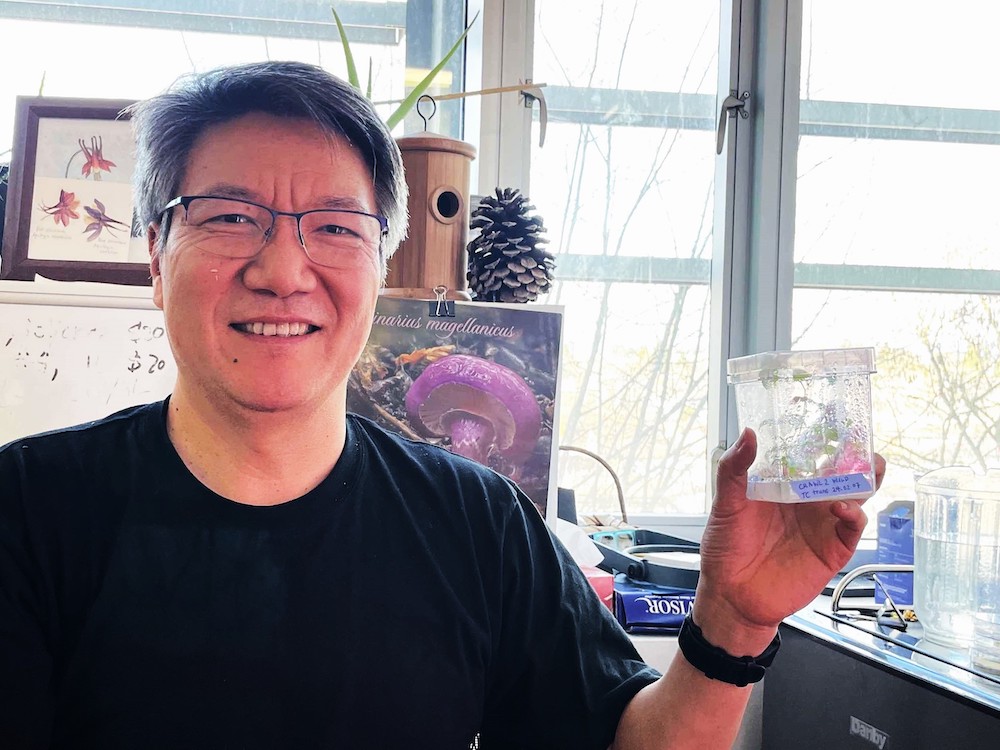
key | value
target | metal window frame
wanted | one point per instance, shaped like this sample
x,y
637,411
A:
x,y
731,230
505,121
752,286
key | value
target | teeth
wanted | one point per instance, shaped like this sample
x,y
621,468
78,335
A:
x,y
275,329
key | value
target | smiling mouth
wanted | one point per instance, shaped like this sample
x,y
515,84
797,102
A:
x,y
285,330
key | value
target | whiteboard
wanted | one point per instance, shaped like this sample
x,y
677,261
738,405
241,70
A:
x,y
62,365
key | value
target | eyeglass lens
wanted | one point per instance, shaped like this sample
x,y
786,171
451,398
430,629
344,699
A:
x,y
237,229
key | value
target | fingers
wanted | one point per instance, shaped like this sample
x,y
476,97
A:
x,y
731,474
851,521
879,470
738,457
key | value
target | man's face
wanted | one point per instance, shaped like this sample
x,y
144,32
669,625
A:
x,y
211,303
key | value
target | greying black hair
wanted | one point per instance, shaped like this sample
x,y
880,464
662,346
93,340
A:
x,y
168,125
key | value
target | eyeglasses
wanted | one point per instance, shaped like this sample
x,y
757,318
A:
x,y
239,229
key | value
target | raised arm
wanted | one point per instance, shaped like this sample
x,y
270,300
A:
x,y
760,562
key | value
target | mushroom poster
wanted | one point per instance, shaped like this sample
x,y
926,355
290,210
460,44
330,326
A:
x,y
481,383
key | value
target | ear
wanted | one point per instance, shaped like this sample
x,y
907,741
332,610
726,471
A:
x,y
152,238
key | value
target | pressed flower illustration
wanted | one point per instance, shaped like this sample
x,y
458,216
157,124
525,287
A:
x,y
100,221
94,163
65,209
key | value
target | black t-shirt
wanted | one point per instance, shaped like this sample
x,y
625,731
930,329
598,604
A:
x,y
413,599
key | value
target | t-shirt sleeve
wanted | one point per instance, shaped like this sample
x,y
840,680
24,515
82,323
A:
x,y
26,706
563,669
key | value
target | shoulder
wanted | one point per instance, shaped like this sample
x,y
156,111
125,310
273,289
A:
x,y
54,472
56,442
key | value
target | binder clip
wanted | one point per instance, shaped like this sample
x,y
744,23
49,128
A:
x,y
441,307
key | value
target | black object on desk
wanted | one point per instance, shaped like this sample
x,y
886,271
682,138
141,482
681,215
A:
x,y
629,562
566,504
626,559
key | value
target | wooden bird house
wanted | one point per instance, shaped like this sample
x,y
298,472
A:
x,y
434,252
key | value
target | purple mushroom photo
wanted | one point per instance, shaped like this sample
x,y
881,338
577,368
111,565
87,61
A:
x,y
481,406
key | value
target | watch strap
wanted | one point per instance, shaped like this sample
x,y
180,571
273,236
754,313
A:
x,y
720,665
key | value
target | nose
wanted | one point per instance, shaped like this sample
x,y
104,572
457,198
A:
x,y
281,267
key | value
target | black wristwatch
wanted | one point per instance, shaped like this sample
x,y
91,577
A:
x,y
717,663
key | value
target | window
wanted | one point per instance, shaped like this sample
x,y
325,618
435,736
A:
x,y
896,221
854,206
625,183
129,49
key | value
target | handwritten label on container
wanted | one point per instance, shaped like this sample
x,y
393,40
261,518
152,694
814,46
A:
x,y
821,488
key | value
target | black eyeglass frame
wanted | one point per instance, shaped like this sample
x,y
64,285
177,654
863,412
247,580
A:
x,y
185,201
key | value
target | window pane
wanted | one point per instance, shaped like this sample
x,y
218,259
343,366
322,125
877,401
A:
x,y
624,183
896,224
106,50
900,203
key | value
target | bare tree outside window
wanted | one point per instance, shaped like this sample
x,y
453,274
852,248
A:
x,y
620,196
888,219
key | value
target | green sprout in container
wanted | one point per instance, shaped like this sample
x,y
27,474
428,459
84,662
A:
x,y
407,104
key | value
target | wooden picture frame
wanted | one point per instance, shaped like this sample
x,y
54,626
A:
x,y
69,210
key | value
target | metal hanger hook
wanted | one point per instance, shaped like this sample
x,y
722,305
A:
x,y
434,108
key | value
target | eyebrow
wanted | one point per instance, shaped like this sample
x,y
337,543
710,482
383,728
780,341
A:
x,y
343,201
227,190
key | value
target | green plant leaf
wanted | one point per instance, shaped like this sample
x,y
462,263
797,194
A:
x,y
352,71
407,104
368,88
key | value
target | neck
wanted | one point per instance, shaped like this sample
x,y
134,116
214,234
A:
x,y
256,457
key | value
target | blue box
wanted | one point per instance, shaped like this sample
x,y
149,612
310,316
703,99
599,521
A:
x,y
895,546
648,608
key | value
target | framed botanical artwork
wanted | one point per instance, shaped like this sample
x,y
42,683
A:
x,y
69,200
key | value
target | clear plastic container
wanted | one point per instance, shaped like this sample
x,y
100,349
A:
x,y
956,557
811,411
986,642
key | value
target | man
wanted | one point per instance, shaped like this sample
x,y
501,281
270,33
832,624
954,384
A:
x,y
246,565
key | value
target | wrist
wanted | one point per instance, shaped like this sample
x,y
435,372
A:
x,y
718,664
726,628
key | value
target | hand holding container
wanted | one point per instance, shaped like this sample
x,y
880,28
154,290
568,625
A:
x,y
811,411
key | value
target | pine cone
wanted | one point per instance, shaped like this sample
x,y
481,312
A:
x,y
507,260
